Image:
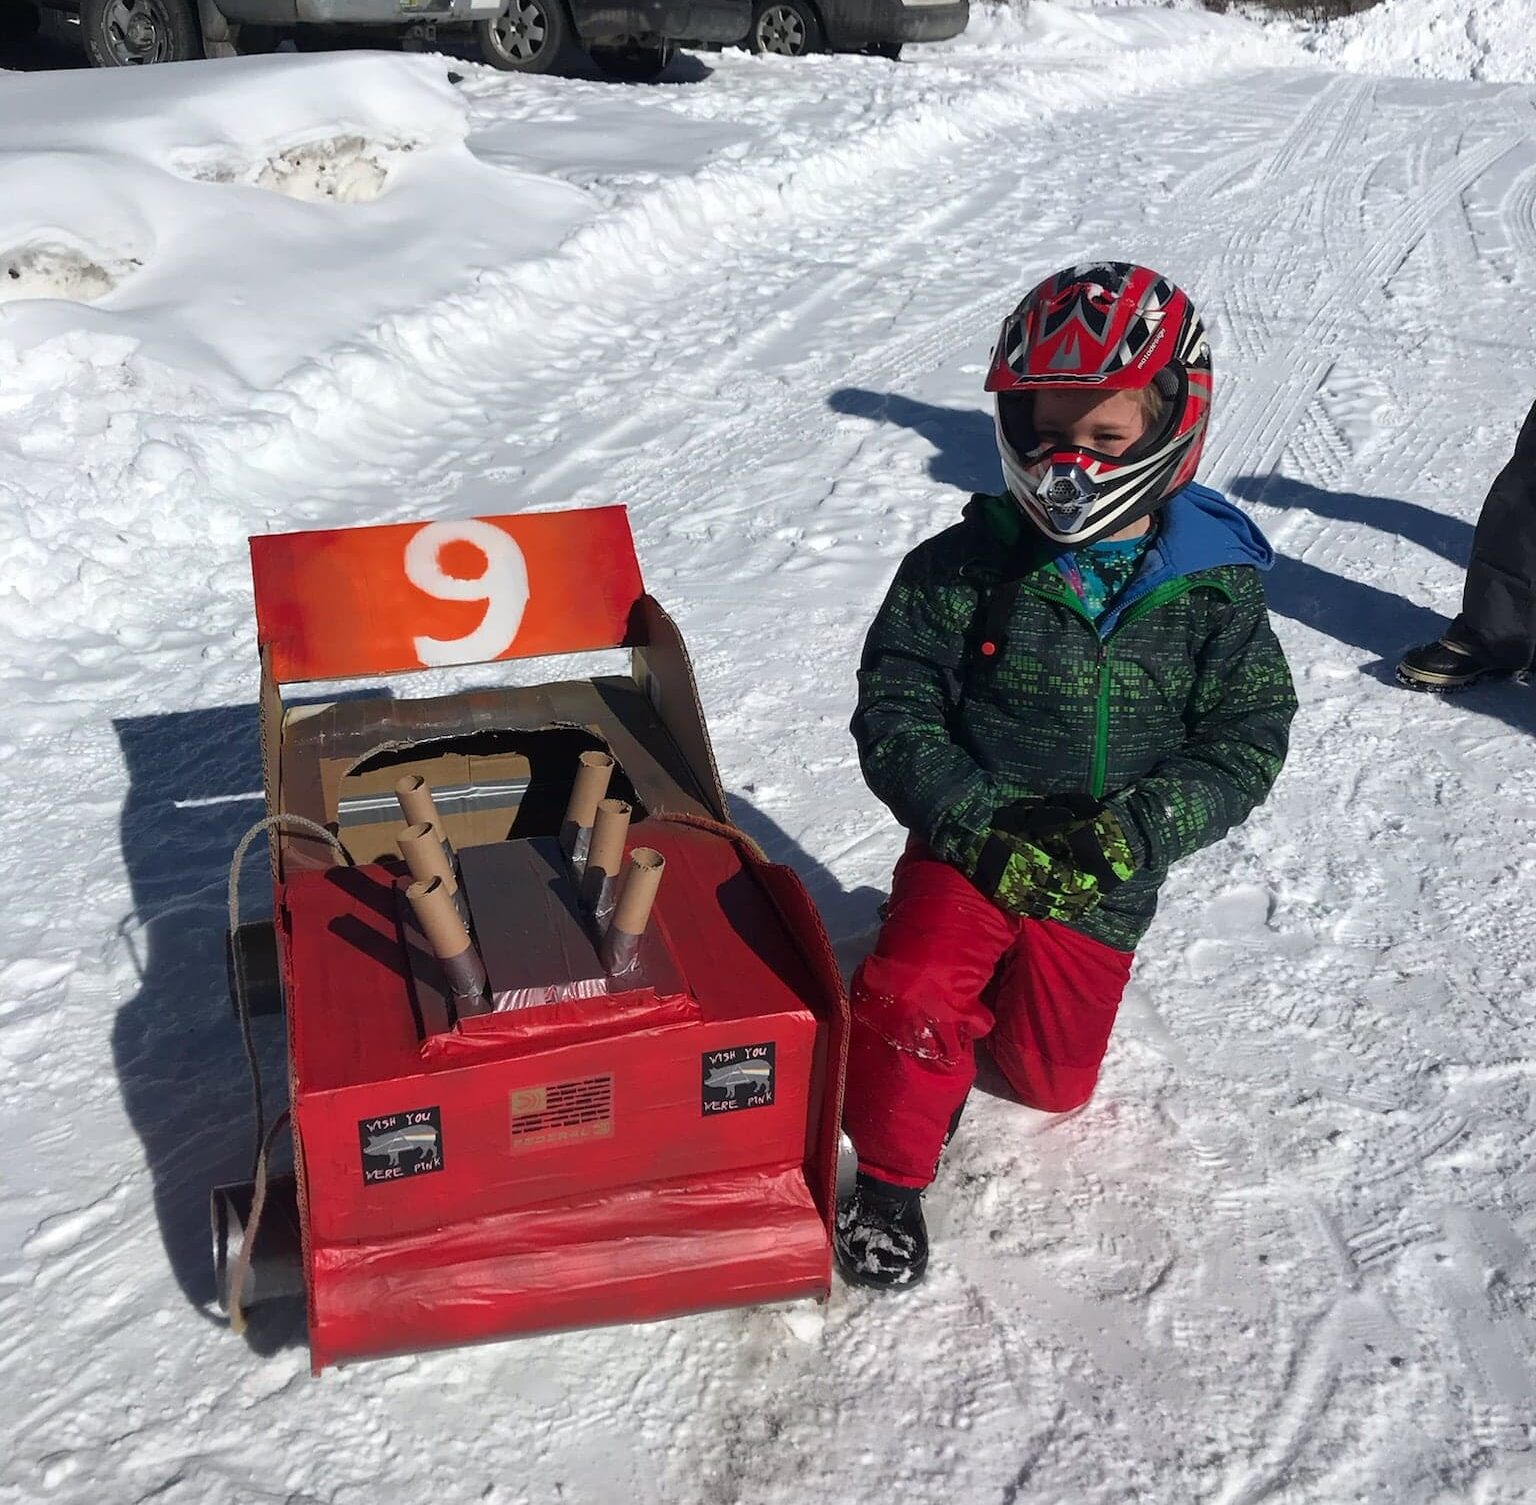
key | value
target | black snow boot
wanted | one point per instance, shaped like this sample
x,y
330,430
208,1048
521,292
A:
x,y
1441,666
880,1239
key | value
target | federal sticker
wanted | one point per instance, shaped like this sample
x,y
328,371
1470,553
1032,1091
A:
x,y
738,1077
396,1146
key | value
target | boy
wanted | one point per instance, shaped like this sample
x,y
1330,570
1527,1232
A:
x,y
1067,691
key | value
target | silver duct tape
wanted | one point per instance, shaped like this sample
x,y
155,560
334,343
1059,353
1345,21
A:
x,y
452,799
579,849
465,974
621,951
605,896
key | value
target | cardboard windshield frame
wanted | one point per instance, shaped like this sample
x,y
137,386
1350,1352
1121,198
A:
x,y
681,777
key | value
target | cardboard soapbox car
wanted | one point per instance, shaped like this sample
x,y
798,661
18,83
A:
x,y
610,1120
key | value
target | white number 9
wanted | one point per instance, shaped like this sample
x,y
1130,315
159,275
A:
x,y
502,585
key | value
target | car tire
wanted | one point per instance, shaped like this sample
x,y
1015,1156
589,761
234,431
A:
x,y
129,33
786,28
633,63
890,50
529,36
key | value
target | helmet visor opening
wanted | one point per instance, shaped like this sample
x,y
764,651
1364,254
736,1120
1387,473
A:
x,y
1016,418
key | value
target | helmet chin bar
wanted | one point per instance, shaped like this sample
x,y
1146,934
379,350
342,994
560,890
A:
x,y
1071,506
1066,494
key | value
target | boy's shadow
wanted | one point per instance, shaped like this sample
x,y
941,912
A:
x,y
1346,608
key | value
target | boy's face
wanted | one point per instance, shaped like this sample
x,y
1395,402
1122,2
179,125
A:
x,y
1110,422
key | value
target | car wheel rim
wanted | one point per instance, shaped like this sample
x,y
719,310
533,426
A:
x,y
521,31
137,32
781,30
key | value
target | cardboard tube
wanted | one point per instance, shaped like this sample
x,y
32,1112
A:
x,y
600,880
621,941
593,771
415,796
449,940
422,847
646,865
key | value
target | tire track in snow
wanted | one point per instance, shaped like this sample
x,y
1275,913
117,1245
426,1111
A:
x,y
1310,1379
1253,270
1517,214
1265,418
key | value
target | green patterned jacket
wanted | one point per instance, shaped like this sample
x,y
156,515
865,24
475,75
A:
x,y
984,681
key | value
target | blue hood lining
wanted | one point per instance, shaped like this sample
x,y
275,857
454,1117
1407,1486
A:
x,y
1198,529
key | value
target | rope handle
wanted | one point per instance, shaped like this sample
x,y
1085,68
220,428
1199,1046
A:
x,y
242,1266
242,1009
265,1138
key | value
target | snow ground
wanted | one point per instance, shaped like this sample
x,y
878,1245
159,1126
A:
x,y
1285,1255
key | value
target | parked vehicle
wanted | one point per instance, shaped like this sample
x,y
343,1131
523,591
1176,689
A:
x,y
792,28
632,40
627,39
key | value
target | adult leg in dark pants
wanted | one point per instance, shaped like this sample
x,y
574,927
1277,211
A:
x,y
1496,631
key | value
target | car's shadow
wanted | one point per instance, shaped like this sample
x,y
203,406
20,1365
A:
x,y
851,916
54,45
194,786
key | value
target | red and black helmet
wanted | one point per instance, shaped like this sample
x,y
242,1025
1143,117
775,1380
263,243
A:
x,y
1108,326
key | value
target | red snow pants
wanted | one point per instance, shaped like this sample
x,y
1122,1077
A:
x,y
950,967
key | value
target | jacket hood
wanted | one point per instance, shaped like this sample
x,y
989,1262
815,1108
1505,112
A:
x,y
1201,529
1198,529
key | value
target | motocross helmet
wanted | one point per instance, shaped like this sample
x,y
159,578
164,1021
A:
x,y
1109,326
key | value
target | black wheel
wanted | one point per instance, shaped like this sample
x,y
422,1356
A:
x,y
788,28
633,63
125,33
529,36
891,50
251,952
19,20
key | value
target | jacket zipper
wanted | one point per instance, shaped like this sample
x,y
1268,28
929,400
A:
x,y
1098,769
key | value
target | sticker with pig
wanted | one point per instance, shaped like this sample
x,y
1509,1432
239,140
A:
x,y
737,1078
397,1146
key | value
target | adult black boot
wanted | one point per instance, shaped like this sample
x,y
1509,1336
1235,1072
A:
x,y
1441,666
880,1238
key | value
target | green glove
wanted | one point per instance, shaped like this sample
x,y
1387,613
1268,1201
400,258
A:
x,y
1026,879
1078,829
1053,859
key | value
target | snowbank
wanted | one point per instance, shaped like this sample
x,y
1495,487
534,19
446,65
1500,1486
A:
x,y
233,221
1493,41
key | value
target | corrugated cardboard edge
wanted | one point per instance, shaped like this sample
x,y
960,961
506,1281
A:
x,y
660,665
270,723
